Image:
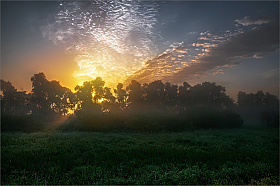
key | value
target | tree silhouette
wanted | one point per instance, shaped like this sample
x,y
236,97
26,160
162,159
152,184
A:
x,y
61,98
8,98
151,107
209,94
259,106
121,94
98,85
109,100
13,101
49,97
171,92
88,96
84,92
184,94
155,95
135,94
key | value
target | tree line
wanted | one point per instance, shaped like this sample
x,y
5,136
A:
x,y
93,102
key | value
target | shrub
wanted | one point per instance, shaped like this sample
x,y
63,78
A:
x,y
230,119
145,122
270,117
207,117
177,123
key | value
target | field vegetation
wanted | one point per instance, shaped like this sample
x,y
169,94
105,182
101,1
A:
x,y
234,156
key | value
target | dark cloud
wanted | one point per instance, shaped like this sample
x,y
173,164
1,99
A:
x,y
259,42
182,63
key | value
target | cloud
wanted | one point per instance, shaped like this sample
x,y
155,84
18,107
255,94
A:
x,y
270,74
259,42
204,45
246,21
110,39
164,65
183,63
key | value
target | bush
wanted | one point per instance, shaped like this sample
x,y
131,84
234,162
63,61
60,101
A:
x,y
270,117
208,117
178,123
145,122
15,123
230,119
205,117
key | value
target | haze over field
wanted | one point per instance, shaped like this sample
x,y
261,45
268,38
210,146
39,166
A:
x,y
235,44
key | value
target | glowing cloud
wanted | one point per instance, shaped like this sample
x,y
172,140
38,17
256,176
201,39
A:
x,y
111,38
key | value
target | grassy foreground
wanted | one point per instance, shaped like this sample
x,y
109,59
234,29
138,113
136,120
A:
x,y
236,156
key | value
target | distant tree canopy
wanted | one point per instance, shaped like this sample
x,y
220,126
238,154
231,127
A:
x,y
49,98
265,106
258,99
13,101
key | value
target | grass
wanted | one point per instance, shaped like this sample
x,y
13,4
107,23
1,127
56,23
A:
x,y
236,156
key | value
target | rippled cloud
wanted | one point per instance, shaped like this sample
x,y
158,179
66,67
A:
x,y
111,38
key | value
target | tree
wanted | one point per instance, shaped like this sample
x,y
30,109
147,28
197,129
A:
x,y
109,100
184,93
135,93
8,98
49,97
61,98
98,85
259,106
121,94
241,98
84,92
155,93
39,91
209,94
88,96
13,101
171,92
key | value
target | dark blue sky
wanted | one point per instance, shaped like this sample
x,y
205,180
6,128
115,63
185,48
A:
x,y
232,43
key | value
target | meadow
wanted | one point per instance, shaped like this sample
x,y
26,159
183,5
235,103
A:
x,y
248,155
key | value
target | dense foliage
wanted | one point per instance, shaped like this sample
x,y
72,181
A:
x,y
149,107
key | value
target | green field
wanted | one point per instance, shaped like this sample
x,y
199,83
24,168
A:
x,y
234,156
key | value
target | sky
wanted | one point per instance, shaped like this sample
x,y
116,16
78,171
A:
x,y
235,44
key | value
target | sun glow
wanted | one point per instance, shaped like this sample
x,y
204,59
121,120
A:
x,y
111,39
99,100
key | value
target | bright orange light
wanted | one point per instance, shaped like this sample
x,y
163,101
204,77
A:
x,y
100,100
